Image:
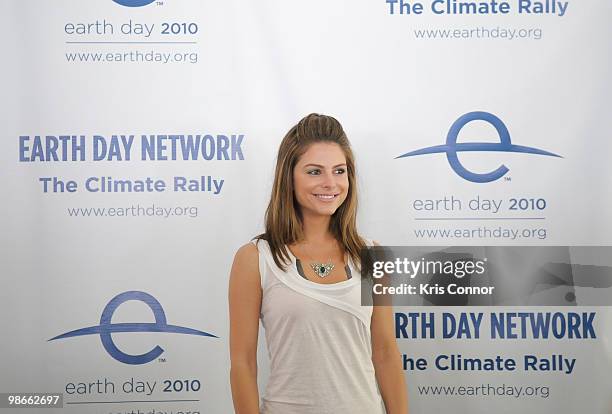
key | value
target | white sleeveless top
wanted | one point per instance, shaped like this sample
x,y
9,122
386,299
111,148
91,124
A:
x,y
318,339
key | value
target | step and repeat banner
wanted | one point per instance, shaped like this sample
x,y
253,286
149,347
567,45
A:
x,y
137,151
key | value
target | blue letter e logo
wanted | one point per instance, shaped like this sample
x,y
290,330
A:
x,y
133,3
452,147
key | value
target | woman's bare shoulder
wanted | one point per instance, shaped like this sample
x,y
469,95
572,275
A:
x,y
246,260
248,249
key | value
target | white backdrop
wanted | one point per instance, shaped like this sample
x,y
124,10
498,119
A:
x,y
397,82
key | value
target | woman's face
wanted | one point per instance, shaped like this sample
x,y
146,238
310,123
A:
x,y
320,179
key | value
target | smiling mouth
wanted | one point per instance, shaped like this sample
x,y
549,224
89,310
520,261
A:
x,y
326,196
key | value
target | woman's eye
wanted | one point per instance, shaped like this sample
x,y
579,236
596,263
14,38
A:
x,y
318,171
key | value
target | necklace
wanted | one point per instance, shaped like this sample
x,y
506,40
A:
x,y
321,269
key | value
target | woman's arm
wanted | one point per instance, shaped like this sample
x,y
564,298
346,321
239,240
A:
x,y
387,361
244,309
386,358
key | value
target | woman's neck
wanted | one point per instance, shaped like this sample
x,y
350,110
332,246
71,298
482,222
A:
x,y
316,229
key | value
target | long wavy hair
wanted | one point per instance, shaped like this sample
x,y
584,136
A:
x,y
283,216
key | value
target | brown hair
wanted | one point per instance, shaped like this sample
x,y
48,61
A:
x,y
283,218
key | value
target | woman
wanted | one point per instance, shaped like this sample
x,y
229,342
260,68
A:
x,y
328,354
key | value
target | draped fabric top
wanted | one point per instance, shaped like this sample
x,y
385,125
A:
x,y
318,341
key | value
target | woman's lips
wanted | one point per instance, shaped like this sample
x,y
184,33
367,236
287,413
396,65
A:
x,y
326,197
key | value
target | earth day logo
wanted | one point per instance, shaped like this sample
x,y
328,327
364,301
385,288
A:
x,y
133,3
105,328
452,147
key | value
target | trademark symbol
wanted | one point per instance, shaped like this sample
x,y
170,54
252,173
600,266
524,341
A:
x,y
159,3
507,178
162,360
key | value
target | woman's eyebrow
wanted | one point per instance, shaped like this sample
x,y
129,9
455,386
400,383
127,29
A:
x,y
322,166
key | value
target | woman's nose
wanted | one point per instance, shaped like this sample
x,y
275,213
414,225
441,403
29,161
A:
x,y
329,180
